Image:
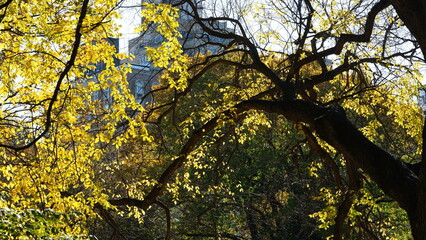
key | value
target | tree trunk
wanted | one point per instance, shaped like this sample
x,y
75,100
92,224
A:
x,y
418,217
418,220
413,14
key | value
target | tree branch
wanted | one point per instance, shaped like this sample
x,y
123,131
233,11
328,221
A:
x,y
68,66
168,217
346,38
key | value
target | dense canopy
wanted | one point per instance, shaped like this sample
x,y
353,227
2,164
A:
x,y
289,119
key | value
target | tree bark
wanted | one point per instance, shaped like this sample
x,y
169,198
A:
x,y
418,217
413,14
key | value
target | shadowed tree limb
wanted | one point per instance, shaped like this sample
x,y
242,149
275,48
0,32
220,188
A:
x,y
334,168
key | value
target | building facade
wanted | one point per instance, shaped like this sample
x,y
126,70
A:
x,y
193,41
144,75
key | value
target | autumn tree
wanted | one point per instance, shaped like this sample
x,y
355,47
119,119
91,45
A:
x,y
344,73
365,38
53,131
368,42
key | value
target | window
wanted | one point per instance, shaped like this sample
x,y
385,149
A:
x,y
139,90
143,60
96,95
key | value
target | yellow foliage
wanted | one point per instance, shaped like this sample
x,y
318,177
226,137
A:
x,y
61,170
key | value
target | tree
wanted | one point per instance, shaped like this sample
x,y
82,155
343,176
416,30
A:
x,y
52,129
364,38
60,144
329,123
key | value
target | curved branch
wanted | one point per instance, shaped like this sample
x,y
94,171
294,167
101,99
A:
x,y
192,81
334,168
157,190
287,88
68,66
346,38
107,217
5,5
168,217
